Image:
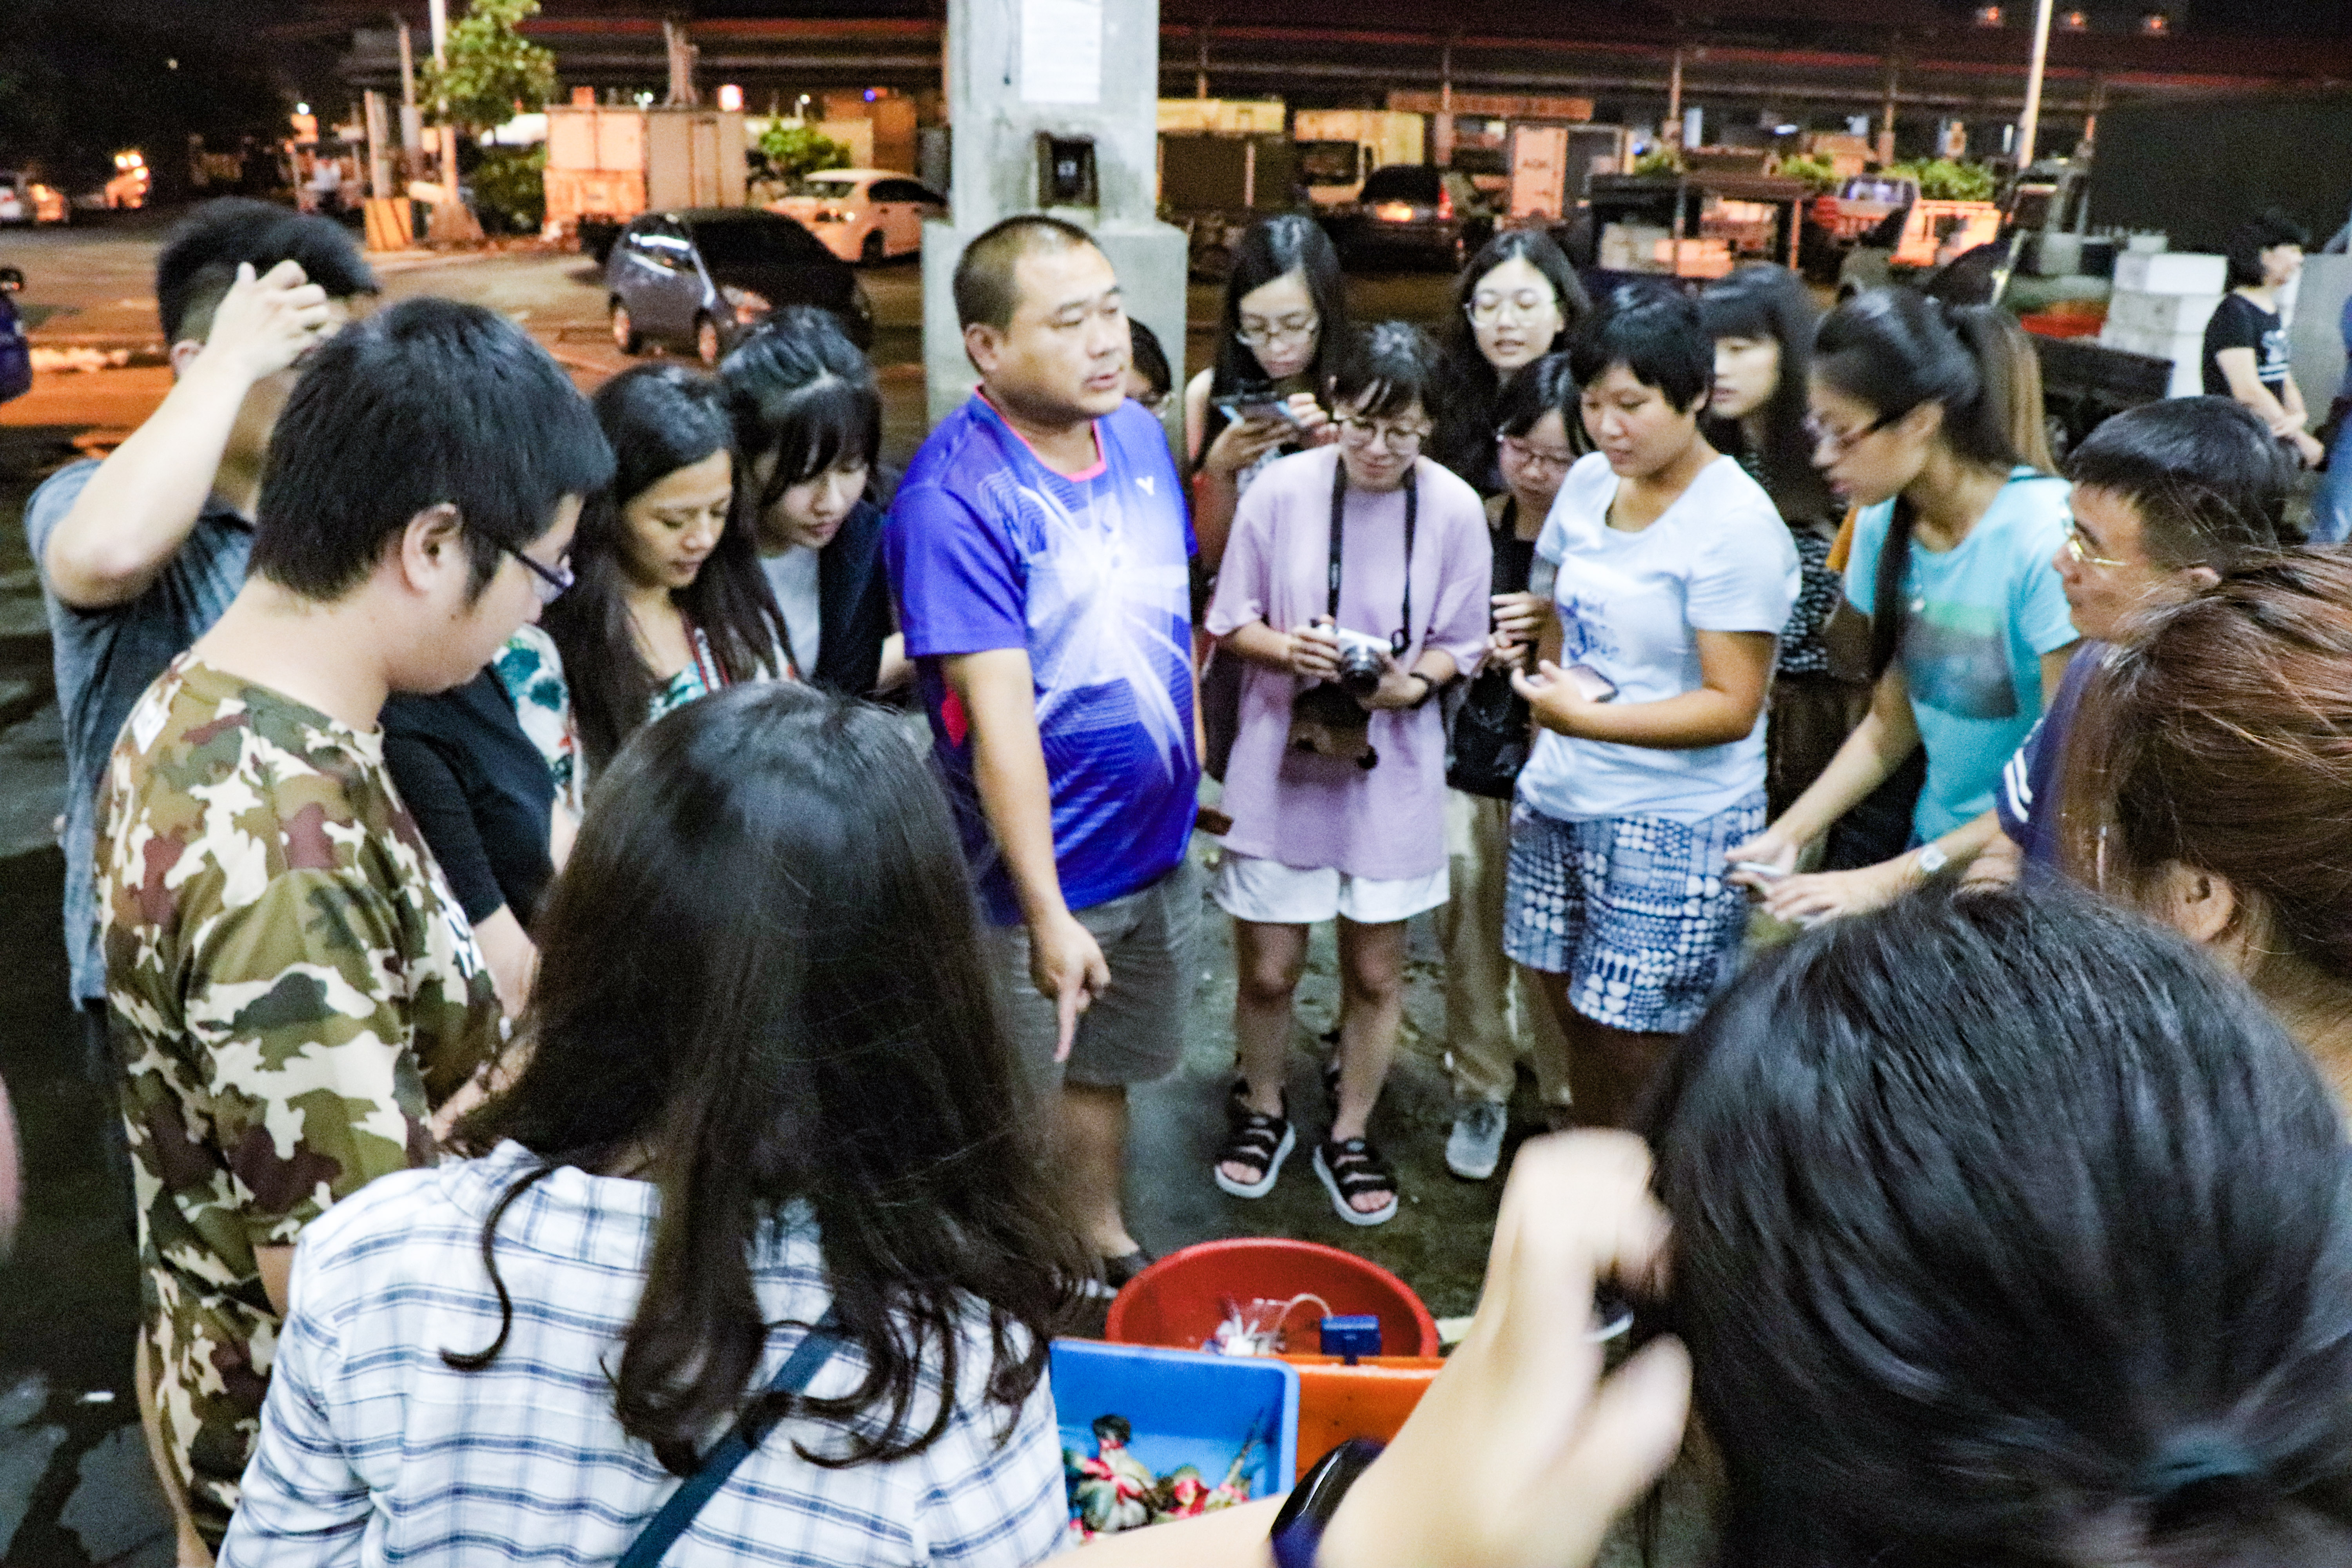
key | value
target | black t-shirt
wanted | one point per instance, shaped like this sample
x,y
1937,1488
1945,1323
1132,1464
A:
x,y
480,793
2239,323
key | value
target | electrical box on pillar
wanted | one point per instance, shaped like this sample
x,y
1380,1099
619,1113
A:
x,y
1065,172
1055,108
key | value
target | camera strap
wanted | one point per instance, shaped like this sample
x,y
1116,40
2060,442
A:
x,y
1402,639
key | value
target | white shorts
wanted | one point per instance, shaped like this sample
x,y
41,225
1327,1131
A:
x,y
1271,893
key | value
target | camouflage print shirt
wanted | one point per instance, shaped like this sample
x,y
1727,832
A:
x,y
291,985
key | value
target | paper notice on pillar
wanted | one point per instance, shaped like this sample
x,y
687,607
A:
x,y
1061,51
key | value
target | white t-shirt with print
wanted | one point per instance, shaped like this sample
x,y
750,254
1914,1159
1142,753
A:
x,y
1631,605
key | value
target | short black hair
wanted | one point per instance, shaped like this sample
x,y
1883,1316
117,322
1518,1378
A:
x,y
199,260
1149,359
2206,476
2250,238
1655,333
1387,368
1547,385
430,402
985,290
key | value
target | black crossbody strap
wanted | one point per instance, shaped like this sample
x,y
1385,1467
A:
x,y
1402,639
808,1358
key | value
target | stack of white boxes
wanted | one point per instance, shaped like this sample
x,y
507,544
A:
x,y
2161,302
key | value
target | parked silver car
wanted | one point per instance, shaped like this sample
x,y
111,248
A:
x,y
705,275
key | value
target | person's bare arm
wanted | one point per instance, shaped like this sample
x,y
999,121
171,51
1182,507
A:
x,y
512,955
1997,865
189,1547
1735,669
1886,735
897,668
275,1266
136,511
1831,895
1826,895
1008,765
2302,440
2238,368
1216,487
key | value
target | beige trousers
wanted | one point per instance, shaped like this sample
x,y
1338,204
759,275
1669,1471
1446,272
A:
x,y
1494,1013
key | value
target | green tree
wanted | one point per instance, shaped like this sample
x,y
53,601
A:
x,y
488,72
796,149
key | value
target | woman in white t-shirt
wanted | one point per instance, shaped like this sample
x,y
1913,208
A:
x,y
1675,574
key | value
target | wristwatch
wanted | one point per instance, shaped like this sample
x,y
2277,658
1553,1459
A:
x,y
1932,860
1307,1513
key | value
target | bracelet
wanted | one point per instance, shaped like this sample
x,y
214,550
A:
x,y
1298,1529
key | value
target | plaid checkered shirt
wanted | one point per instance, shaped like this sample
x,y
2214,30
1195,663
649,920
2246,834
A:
x,y
374,1450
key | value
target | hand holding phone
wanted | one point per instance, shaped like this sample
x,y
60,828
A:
x,y
1590,684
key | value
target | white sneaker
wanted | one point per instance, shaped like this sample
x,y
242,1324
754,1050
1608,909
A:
x,y
1475,1147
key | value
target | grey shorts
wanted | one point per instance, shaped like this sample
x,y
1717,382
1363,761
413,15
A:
x,y
1134,1032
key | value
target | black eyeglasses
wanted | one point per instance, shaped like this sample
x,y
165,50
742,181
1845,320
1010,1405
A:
x,y
553,581
1840,442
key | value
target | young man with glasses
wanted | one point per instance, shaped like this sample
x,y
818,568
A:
x,y
1354,590
2168,499
297,1001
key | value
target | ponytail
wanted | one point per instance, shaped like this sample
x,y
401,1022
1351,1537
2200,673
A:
x,y
1887,605
1895,350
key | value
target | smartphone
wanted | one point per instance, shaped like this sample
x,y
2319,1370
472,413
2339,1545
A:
x,y
1242,411
1763,871
1590,684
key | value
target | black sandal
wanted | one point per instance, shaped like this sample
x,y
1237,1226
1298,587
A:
x,y
1351,1166
1265,1141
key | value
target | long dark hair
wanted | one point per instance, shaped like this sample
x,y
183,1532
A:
x,y
1895,350
802,395
1463,440
1768,301
1270,248
2008,1231
725,987
659,418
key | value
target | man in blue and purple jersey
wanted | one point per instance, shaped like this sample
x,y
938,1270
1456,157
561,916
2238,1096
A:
x,y
1039,549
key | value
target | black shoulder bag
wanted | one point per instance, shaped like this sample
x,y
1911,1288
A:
x,y
808,1358
1493,730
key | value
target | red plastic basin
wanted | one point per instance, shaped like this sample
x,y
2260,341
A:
x,y
1179,1300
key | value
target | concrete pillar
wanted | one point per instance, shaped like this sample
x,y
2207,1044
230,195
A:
x,y
1002,98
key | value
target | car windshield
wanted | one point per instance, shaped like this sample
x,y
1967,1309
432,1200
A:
x,y
753,239
822,185
1328,163
1401,182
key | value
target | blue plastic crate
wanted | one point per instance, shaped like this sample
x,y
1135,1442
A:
x,y
1187,1408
